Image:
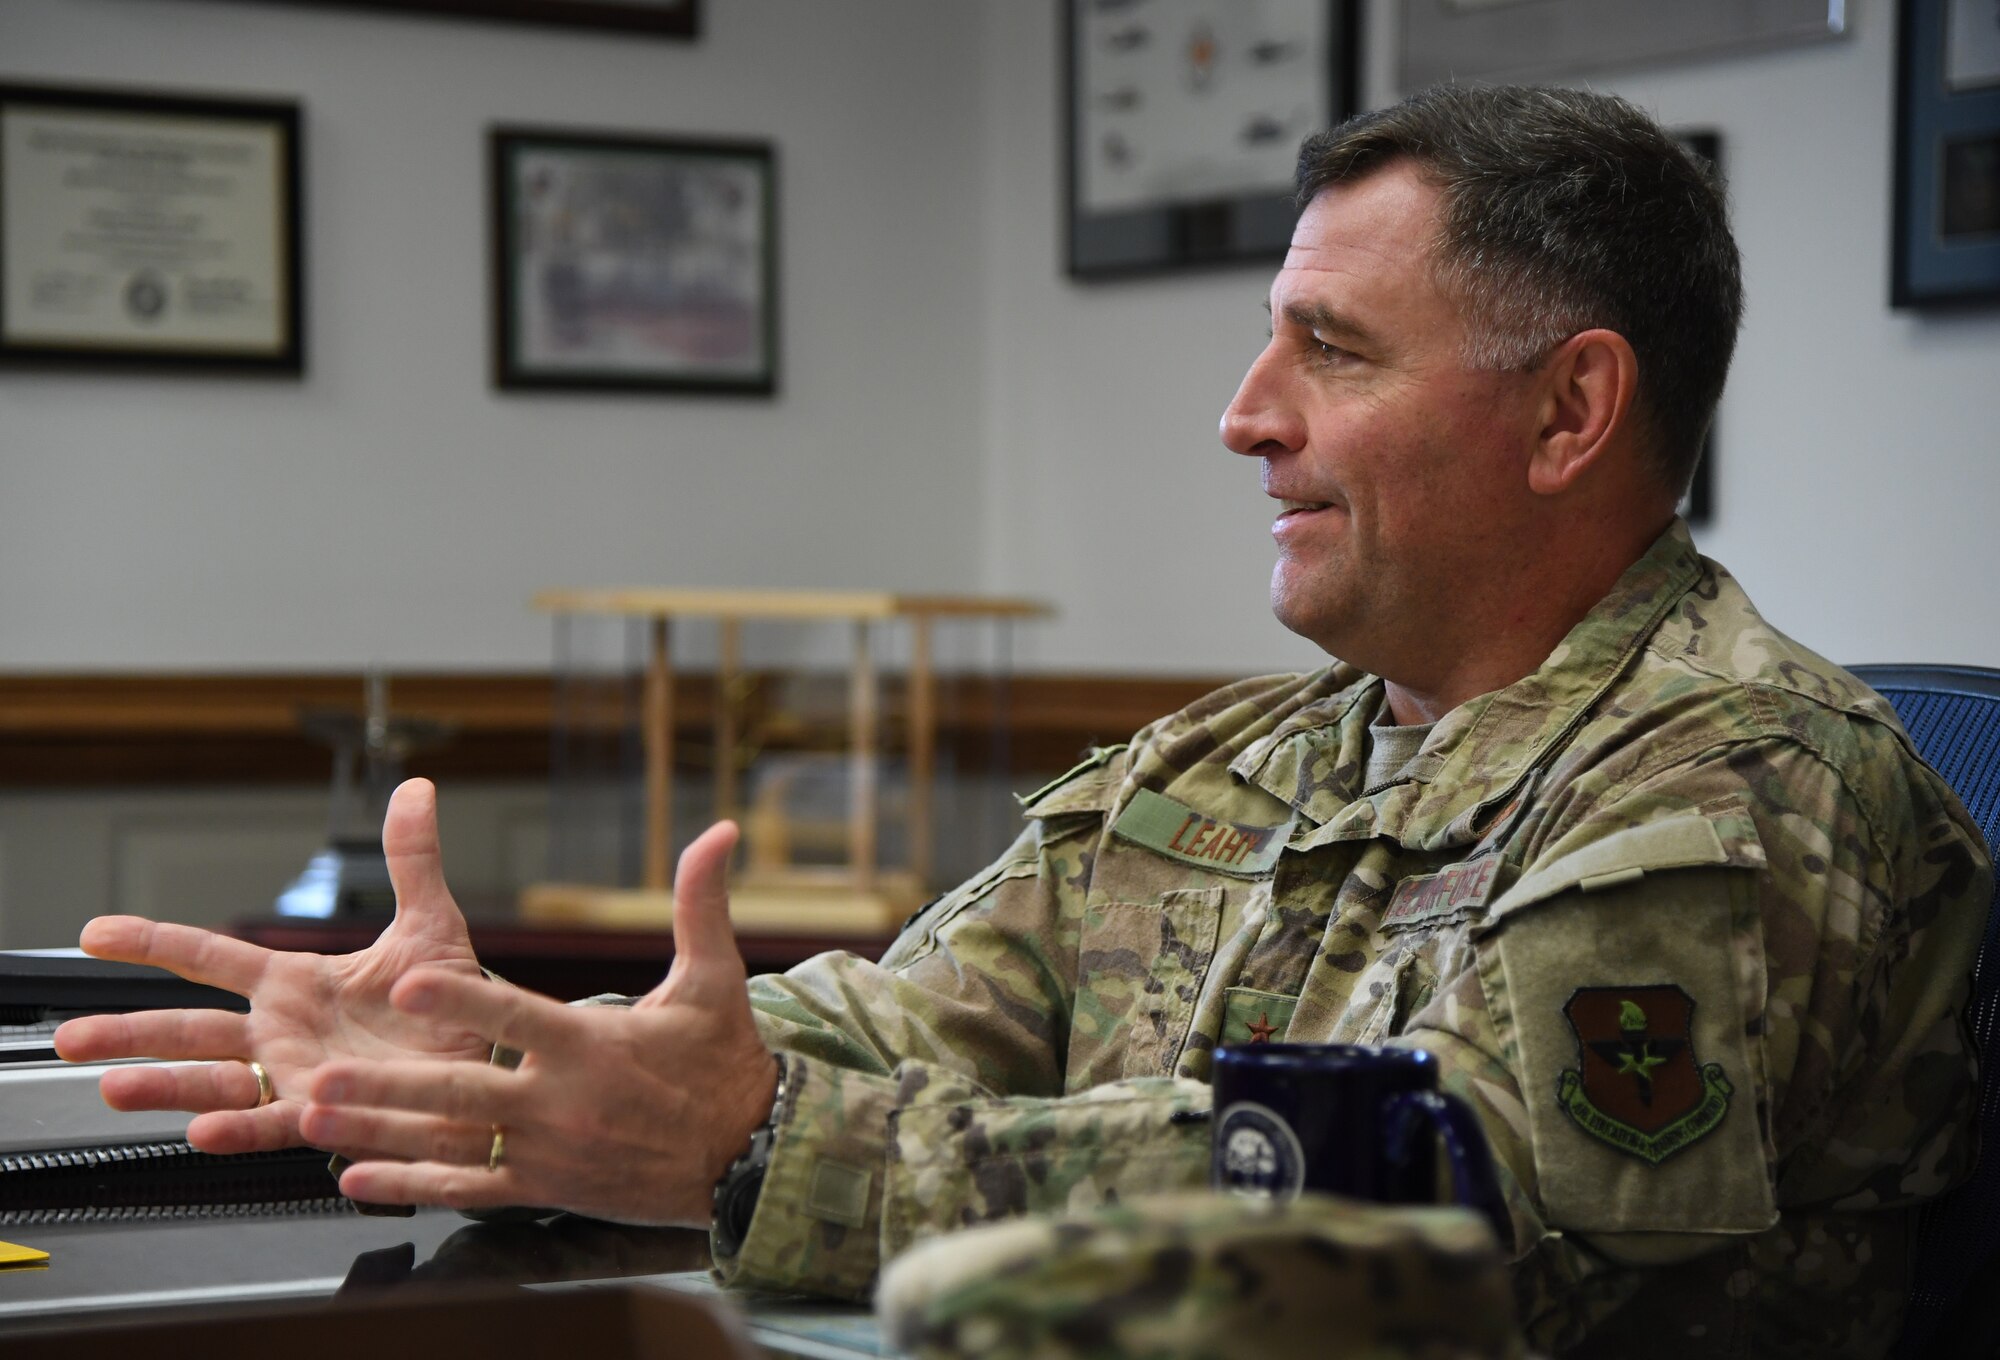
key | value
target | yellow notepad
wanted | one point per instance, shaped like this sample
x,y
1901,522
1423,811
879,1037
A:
x,y
11,1255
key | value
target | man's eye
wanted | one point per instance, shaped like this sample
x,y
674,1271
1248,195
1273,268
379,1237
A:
x,y
1324,352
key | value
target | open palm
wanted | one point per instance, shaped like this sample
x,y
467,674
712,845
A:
x,y
305,1009
630,1114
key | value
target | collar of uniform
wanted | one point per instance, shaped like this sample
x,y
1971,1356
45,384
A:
x,y
1315,759
1478,753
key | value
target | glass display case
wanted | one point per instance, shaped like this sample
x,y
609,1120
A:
x,y
858,738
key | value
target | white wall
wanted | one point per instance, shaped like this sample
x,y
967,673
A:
x,y
955,413
392,507
1859,456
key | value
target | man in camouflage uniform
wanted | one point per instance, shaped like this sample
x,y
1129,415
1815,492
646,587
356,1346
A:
x,y
1678,908
1671,899
1683,813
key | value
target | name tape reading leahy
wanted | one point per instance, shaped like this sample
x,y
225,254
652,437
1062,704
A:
x,y
1179,832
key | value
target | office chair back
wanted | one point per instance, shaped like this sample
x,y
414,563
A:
x,y
1952,713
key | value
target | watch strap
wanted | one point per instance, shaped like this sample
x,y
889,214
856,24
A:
x,y
737,1192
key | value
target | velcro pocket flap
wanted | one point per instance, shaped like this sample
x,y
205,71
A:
x,y
1683,840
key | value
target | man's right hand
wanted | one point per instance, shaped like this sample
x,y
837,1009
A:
x,y
305,1009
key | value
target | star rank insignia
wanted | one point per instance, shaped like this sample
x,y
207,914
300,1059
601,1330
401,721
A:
x,y
1637,1086
1254,1017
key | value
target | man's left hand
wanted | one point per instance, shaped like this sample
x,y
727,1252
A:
x,y
629,1114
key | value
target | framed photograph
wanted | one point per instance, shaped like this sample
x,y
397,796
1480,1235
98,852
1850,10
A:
x,y
1185,118
149,229
1536,39
661,18
633,262
1946,238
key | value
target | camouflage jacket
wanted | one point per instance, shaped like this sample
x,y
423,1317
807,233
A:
x,y
1681,912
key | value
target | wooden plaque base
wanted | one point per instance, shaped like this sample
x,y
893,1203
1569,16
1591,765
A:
x,y
789,904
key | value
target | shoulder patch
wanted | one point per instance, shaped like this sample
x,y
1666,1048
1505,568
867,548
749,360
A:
x,y
1179,832
1638,1087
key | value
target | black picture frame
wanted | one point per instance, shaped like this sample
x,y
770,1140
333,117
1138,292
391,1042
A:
x,y
1192,229
151,229
1537,40
1945,238
673,19
1697,507
632,262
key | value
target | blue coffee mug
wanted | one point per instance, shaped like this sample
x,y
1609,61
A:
x,y
1345,1119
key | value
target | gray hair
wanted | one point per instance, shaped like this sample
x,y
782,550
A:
x,y
1564,211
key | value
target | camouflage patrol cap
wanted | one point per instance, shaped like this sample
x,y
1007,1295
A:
x,y
1200,1274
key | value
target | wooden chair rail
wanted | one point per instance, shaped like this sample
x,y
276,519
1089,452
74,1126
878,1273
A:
x,y
101,730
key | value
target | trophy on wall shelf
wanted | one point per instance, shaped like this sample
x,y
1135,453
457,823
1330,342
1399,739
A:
x,y
350,876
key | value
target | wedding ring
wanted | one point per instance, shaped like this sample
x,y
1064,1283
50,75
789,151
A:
x,y
499,1149
266,1093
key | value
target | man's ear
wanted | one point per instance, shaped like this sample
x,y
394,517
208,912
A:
x,y
1588,386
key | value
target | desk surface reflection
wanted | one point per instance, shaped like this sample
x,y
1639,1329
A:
x,y
169,1269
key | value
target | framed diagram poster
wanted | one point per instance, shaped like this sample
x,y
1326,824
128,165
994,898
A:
x,y
633,262
1536,40
140,228
1185,118
1947,191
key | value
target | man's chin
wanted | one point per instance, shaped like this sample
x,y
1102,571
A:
x,y
1311,616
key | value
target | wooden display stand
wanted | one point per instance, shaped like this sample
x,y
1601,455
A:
x,y
772,894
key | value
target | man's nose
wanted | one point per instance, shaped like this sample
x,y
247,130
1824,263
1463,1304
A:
x,y
1261,419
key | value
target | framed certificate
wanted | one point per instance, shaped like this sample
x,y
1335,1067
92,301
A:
x,y
633,262
149,229
661,18
1185,118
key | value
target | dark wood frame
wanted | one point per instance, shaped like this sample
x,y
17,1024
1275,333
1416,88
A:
x,y
1923,270
683,22
1698,506
1181,236
1560,39
287,119
508,371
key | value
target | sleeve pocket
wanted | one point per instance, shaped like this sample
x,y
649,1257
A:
x,y
1626,981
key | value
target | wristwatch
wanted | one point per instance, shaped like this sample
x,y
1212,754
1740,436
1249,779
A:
x,y
736,1193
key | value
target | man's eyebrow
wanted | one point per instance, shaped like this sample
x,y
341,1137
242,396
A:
x,y
1325,320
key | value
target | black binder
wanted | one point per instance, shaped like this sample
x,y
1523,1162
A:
x,y
148,1177
54,984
